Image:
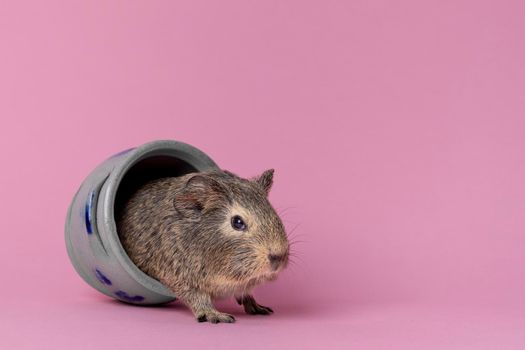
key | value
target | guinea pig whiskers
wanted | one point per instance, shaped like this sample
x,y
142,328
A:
x,y
293,229
281,212
292,258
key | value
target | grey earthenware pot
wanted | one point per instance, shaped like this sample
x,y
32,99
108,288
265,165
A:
x,y
91,236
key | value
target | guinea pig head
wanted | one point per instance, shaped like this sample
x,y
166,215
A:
x,y
233,227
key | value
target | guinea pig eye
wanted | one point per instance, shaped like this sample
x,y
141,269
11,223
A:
x,y
238,223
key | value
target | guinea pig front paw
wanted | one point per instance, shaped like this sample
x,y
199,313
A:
x,y
257,309
214,316
251,307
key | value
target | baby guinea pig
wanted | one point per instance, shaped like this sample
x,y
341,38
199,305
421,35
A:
x,y
206,235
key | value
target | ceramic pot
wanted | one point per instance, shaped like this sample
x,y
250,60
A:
x,y
92,240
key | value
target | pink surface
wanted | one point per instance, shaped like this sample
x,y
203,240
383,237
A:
x,y
396,129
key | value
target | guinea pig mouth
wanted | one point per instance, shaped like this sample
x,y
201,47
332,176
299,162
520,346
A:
x,y
269,275
264,276
272,276
267,272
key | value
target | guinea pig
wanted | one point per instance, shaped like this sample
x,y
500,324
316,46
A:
x,y
206,235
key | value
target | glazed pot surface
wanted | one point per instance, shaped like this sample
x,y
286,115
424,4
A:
x,y
91,236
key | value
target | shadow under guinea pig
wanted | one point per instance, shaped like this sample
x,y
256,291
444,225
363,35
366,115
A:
x,y
283,309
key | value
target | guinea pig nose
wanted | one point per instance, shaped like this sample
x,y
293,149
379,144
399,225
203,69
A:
x,y
275,260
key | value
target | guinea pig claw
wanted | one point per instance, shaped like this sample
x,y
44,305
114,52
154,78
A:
x,y
258,310
251,307
216,317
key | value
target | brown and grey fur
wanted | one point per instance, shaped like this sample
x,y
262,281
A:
x,y
178,230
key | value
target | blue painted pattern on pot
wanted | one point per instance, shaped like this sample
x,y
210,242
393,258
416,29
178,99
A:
x,y
87,212
126,297
102,278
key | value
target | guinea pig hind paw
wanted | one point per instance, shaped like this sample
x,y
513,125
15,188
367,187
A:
x,y
216,317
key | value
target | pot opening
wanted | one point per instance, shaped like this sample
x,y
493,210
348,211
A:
x,y
150,168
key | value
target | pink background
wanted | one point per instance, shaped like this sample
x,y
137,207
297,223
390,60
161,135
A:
x,y
396,128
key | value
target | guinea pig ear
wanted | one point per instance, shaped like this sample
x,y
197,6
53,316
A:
x,y
265,180
200,193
